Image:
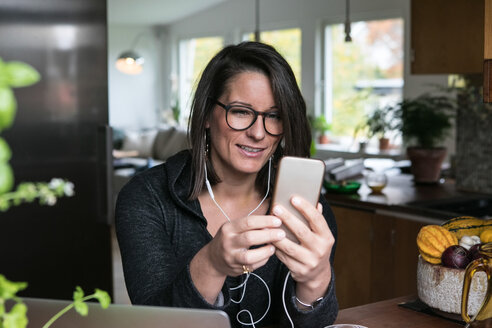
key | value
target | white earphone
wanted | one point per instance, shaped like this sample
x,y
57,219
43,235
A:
x,y
243,285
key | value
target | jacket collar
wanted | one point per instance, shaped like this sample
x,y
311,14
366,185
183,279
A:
x,y
179,175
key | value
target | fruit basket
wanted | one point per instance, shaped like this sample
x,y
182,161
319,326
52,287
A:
x,y
445,251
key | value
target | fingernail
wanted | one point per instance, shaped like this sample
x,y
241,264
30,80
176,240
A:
x,y
272,249
281,234
296,200
277,210
277,222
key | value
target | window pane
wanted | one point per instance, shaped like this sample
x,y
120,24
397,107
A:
x,y
194,55
288,44
363,74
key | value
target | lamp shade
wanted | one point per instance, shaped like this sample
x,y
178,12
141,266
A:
x,y
129,62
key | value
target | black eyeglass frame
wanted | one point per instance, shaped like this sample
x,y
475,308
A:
x,y
263,114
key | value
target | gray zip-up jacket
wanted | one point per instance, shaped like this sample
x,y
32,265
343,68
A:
x,y
159,231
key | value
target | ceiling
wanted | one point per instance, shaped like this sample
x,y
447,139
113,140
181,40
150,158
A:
x,y
154,12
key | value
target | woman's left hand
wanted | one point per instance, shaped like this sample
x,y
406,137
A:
x,y
308,261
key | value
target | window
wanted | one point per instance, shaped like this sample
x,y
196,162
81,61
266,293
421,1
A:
x,y
361,75
288,43
194,55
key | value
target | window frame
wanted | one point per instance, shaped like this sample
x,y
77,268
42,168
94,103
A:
x,y
324,77
185,100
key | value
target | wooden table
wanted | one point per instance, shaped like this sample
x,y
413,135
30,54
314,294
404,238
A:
x,y
389,314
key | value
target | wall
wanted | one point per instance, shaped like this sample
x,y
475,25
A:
x,y
133,99
232,18
474,158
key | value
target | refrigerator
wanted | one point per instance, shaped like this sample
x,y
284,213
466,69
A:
x,y
60,130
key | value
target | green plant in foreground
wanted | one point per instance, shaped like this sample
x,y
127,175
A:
x,y
15,74
79,303
17,316
12,75
46,193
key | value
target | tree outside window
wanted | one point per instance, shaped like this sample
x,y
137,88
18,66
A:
x,y
361,75
194,55
288,43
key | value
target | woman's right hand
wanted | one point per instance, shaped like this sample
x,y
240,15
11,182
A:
x,y
230,249
227,253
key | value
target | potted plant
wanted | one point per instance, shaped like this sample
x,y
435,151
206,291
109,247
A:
x,y
321,126
424,122
362,133
379,122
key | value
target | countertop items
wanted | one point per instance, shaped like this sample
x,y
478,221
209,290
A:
x,y
401,194
346,170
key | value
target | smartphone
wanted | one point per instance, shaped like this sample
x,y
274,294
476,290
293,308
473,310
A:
x,y
297,176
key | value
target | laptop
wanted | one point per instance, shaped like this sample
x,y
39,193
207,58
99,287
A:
x,y
39,311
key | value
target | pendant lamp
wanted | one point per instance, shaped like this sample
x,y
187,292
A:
x,y
130,62
257,20
348,38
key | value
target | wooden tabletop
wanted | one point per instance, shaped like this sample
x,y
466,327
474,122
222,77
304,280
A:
x,y
389,314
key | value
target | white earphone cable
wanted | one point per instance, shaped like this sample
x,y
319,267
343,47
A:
x,y
210,191
244,284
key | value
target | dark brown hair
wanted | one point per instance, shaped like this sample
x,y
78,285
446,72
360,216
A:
x,y
225,65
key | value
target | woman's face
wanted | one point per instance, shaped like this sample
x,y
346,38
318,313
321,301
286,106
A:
x,y
242,152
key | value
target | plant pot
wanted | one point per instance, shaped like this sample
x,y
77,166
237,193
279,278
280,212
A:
x,y
384,143
323,139
426,163
362,146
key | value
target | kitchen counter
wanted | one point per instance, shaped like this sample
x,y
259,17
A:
x,y
402,196
376,255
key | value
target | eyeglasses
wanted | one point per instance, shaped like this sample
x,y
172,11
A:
x,y
240,118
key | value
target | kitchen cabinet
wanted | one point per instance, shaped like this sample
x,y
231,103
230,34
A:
x,y
353,256
376,256
447,36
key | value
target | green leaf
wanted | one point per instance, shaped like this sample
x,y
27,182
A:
x,y
4,206
8,289
6,182
8,106
21,74
16,318
81,307
5,152
78,294
103,297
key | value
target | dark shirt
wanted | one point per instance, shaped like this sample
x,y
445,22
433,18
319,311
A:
x,y
159,232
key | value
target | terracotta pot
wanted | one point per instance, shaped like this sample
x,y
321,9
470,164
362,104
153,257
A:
x,y
384,143
323,139
426,163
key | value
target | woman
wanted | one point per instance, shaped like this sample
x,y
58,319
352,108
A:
x,y
192,230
